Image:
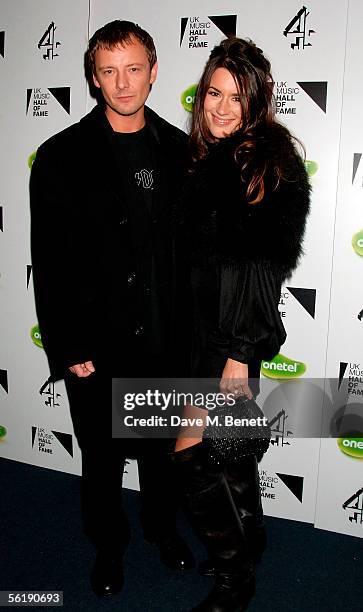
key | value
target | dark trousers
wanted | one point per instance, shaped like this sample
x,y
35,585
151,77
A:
x,y
103,460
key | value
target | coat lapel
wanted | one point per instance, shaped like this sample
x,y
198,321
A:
x,y
105,162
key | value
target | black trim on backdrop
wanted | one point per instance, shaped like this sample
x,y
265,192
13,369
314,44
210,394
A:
x,y
66,440
28,275
4,380
294,483
342,369
305,297
34,431
28,97
2,44
356,161
317,91
63,96
183,25
227,24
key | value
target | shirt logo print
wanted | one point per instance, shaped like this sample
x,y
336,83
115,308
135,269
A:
x,y
144,178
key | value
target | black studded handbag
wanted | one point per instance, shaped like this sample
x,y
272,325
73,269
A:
x,y
236,431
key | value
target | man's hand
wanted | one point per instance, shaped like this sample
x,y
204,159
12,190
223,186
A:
x,y
82,370
235,379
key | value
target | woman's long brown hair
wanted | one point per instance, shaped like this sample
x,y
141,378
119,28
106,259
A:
x,y
252,74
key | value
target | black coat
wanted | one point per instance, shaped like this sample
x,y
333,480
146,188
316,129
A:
x,y
85,268
241,253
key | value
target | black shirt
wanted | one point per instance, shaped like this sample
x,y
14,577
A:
x,y
137,152
150,282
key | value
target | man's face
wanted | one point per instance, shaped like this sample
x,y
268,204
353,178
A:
x,y
124,76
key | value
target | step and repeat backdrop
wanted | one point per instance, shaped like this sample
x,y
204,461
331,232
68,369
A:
x,y
313,470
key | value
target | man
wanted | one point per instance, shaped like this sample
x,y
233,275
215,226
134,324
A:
x,y
104,282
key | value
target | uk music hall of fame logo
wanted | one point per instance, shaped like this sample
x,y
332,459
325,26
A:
x,y
355,505
45,441
200,32
270,484
39,99
298,29
355,377
49,394
48,43
287,95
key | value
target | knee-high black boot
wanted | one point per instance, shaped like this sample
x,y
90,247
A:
x,y
243,482
213,516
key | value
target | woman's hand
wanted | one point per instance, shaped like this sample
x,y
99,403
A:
x,y
235,379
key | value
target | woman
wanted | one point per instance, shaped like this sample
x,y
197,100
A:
x,y
246,205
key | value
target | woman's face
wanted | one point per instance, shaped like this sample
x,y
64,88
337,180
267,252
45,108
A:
x,y
222,106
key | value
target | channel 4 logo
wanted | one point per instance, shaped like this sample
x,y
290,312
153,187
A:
x,y
298,29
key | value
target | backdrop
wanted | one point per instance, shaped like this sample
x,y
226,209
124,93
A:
x,y
318,377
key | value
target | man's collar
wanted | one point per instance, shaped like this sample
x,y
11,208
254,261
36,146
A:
x,y
98,115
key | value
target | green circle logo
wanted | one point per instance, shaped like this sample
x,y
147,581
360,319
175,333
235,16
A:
x,y
357,243
35,336
3,432
283,368
351,446
31,158
311,167
187,98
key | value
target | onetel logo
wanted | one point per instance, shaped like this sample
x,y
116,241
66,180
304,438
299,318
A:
x,y
187,98
283,368
3,432
311,167
351,446
31,158
35,336
357,243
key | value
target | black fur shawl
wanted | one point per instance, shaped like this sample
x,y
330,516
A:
x,y
221,222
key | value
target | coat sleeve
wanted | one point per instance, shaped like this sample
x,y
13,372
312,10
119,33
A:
x,y
249,316
61,303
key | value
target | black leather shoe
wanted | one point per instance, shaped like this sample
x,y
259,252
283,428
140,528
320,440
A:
x,y
207,567
231,593
174,551
107,575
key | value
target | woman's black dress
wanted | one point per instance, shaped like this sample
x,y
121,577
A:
x,y
241,253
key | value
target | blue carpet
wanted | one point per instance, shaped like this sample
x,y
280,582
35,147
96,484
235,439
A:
x,y
42,547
